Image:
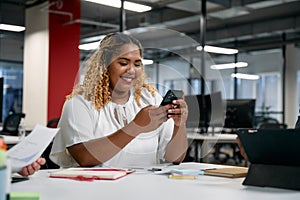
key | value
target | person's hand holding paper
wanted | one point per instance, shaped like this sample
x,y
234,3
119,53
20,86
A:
x,y
25,156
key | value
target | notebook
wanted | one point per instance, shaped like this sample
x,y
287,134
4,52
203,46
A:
x,y
228,172
91,173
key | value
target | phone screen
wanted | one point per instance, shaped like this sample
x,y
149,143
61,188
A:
x,y
170,96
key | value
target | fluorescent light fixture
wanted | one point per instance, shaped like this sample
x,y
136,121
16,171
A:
x,y
89,46
220,50
127,5
229,65
14,28
245,76
147,62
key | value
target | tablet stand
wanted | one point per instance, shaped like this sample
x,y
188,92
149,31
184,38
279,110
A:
x,y
287,177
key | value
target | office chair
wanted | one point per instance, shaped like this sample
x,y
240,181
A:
x,y
11,124
49,164
52,123
272,126
271,123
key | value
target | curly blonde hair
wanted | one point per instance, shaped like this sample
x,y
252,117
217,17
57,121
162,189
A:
x,y
96,84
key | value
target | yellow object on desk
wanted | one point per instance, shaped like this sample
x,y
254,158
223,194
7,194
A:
x,y
179,176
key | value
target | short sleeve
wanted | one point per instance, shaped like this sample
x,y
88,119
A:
x,y
76,126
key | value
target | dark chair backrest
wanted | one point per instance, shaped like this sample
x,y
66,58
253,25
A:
x,y
11,123
272,126
297,126
49,164
53,123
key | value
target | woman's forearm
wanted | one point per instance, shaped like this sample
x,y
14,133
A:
x,y
100,150
177,147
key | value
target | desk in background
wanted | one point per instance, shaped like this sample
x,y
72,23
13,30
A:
x,y
10,140
149,186
204,143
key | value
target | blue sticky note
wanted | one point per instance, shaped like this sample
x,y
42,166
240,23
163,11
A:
x,y
187,171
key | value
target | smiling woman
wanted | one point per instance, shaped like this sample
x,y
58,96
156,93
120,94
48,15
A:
x,y
125,69
113,118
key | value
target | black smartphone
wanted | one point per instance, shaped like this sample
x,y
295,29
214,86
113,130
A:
x,y
170,96
19,179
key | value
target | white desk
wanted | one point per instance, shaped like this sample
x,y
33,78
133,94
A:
x,y
148,186
10,140
208,141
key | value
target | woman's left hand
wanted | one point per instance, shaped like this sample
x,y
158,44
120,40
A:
x,y
178,112
31,169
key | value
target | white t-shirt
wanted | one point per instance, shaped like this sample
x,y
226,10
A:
x,y
81,122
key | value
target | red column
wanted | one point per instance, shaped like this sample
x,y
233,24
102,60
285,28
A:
x,y
64,55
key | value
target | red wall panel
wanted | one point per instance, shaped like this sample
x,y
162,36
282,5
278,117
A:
x,y
64,55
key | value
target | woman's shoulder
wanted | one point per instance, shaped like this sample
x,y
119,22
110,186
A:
x,y
77,101
151,97
145,92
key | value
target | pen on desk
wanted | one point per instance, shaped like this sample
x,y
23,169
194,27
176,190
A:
x,y
154,169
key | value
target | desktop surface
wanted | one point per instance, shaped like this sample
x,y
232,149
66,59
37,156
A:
x,y
147,185
10,140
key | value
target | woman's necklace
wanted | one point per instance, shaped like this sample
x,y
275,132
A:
x,y
120,114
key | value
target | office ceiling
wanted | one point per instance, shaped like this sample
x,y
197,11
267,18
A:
x,y
245,24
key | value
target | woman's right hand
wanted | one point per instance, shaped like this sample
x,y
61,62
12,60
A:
x,y
242,150
150,118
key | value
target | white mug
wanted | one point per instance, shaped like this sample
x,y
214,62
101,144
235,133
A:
x,y
3,182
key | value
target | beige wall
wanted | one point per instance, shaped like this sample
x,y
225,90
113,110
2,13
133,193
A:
x,y
35,80
291,92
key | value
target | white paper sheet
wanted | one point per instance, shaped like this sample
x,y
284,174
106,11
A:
x,y
31,147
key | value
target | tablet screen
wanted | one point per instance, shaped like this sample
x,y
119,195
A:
x,y
268,146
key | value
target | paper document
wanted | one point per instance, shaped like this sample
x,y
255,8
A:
x,y
31,147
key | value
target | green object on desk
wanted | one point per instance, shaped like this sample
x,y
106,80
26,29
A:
x,y
2,157
24,196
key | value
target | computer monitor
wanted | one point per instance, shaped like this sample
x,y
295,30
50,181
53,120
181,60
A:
x,y
239,113
205,110
193,120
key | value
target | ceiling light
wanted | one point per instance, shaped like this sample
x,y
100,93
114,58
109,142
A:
x,y
14,28
89,46
147,62
229,65
220,50
229,13
245,76
127,5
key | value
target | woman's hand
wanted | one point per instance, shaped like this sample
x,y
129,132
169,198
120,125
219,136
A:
x,y
178,112
242,150
31,169
150,118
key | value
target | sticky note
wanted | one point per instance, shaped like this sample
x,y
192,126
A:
x,y
2,158
24,196
176,176
186,171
